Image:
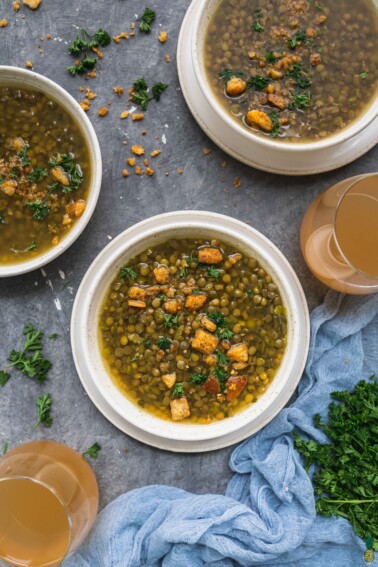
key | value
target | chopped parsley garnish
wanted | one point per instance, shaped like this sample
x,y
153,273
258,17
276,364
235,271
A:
x,y
227,74
53,336
270,57
184,272
33,246
315,4
196,378
221,358
5,448
127,273
163,343
345,479
92,451
218,318
43,404
300,76
146,20
171,321
221,375
147,343
258,83
178,391
37,174
299,100
23,155
224,334
250,293
4,377
140,93
72,169
84,42
298,37
213,273
40,210
2,218
276,131
161,296
257,25
364,74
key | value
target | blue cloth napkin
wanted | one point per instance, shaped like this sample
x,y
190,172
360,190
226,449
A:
x,y
268,515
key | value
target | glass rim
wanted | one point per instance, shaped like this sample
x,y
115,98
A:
x,y
359,179
54,493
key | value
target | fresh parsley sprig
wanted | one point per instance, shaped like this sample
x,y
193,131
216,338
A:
x,y
257,83
178,391
37,174
92,451
171,321
43,404
84,42
147,19
127,273
140,92
40,210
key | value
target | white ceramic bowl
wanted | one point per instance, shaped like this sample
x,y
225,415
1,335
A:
x,y
259,151
203,14
94,375
13,76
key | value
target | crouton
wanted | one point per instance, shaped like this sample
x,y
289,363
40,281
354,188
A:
x,y
155,290
137,150
103,111
163,36
8,187
234,258
204,342
60,175
259,119
209,255
76,208
172,306
239,365
137,304
278,100
3,23
238,352
124,114
136,292
179,409
169,379
210,359
315,59
18,144
234,385
235,86
161,274
160,355
212,385
33,4
195,301
208,324
66,220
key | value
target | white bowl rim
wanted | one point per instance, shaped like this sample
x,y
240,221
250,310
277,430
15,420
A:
x,y
16,75
93,374
347,133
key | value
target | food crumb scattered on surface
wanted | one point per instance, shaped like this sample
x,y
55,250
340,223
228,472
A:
x,y
28,64
125,173
180,171
3,23
163,36
122,35
167,58
155,153
206,151
124,114
85,104
32,4
48,36
131,161
16,5
137,150
118,90
138,170
103,111
237,182
90,94
145,162
150,171
137,116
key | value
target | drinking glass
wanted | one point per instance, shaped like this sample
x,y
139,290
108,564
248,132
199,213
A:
x,y
48,503
339,235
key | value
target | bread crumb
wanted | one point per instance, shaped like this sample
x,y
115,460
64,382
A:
x,y
89,94
180,171
32,4
3,23
237,182
98,52
92,74
163,36
137,150
122,35
81,89
131,161
124,114
118,90
16,5
155,153
144,132
132,25
48,36
137,116
28,64
132,34
125,173
85,104
224,164
103,111
138,170
145,162
167,58
150,171
55,240
206,151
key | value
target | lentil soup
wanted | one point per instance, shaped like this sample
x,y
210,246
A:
x,y
192,330
297,70
45,173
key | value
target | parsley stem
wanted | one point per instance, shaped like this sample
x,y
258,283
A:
x,y
349,501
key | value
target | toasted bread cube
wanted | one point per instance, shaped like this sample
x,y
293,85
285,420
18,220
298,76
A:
x,y
160,355
195,301
234,385
208,324
209,255
238,352
212,385
235,86
234,258
172,306
169,379
136,292
9,187
204,342
161,274
155,290
180,409
239,365
259,119
136,303
210,359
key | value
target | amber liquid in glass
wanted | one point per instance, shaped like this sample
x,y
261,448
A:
x,y
48,503
339,235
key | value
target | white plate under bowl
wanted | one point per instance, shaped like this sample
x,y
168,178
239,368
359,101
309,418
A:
x,y
130,418
16,77
250,151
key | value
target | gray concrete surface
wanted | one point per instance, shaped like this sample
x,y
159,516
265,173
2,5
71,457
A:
x,y
272,204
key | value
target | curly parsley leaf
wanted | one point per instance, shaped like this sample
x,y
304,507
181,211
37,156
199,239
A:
x,y
228,74
196,378
171,321
257,83
178,391
43,404
40,210
127,273
92,451
37,174
163,343
147,19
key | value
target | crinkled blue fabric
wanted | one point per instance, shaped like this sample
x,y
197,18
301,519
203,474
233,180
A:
x,y
267,516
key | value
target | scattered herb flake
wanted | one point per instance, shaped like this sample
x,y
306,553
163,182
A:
x,y
171,321
257,83
221,358
163,343
276,131
43,404
298,37
127,273
178,391
53,336
270,57
213,273
92,451
300,100
5,448
146,20
218,318
40,210
33,246
196,378
37,174
227,74
364,74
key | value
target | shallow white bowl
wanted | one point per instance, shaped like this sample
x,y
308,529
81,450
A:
x,y
258,151
13,76
92,370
